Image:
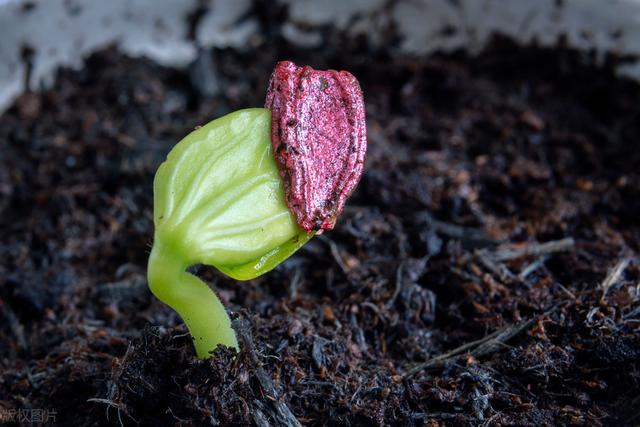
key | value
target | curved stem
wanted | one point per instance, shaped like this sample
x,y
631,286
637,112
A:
x,y
199,307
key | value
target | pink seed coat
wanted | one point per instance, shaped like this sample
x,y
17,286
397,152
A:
x,y
318,134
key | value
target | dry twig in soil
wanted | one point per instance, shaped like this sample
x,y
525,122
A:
x,y
477,348
277,409
532,249
613,276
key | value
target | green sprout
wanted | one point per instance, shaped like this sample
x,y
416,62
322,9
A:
x,y
247,190
219,201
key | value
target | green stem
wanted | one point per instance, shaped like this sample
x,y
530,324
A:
x,y
199,307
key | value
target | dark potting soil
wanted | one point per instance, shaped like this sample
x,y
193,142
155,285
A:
x,y
485,272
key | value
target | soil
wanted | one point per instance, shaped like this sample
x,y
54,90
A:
x,y
485,272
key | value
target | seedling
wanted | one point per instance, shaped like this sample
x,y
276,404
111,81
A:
x,y
247,190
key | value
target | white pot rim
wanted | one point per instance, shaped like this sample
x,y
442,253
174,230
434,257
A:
x,y
58,32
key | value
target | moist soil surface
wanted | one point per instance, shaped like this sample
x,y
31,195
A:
x,y
485,271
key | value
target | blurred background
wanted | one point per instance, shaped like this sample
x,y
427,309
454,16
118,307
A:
x,y
62,32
